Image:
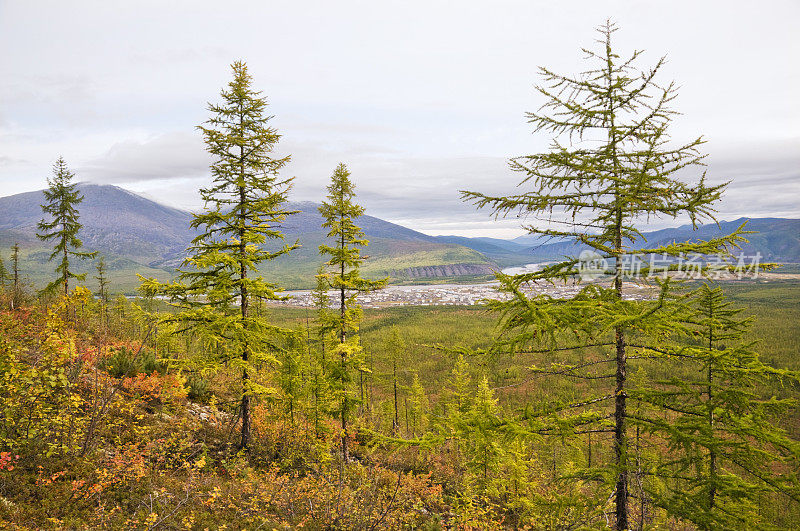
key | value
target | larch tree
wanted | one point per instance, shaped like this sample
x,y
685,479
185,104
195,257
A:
x,y
3,273
15,286
102,288
244,209
418,406
61,206
322,302
396,347
4,278
457,399
483,445
611,167
292,377
727,450
320,386
102,281
343,275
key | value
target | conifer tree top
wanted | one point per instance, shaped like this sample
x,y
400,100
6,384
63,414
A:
x,y
241,143
61,205
61,200
610,157
339,211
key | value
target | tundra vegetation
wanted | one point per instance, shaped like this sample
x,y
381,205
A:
x,y
200,405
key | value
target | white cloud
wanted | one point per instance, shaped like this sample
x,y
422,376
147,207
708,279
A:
x,y
420,99
168,156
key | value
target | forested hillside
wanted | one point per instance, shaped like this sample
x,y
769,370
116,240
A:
x,y
102,420
594,391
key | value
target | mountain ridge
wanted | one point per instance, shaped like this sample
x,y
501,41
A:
x,y
777,239
131,229
139,235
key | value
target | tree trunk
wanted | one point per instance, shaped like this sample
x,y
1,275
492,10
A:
x,y
620,397
712,454
619,434
370,390
15,295
620,437
396,422
66,272
405,406
66,284
342,338
246,398
316,405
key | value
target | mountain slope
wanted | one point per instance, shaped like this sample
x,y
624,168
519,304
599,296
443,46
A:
x,y
777,240
115,221
140,236
503,252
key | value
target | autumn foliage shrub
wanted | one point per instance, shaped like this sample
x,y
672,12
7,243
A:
x,y
135,450
39,370
156,389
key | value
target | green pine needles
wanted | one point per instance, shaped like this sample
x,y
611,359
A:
x,y
240,228
343,275
3,274
61,206
611,168
16,291
726,452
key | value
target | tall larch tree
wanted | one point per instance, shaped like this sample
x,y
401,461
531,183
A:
x,y
102,280
3,274
102,288
418,406
61,206
395,347
339,212
244,209
15,286
611,168
727,450
4,278
322,302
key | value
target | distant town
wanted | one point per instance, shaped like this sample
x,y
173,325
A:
x,y
446,295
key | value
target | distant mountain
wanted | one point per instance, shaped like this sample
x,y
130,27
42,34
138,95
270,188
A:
x,y
308,220
140,236
532,240
503,252
491,245
115,221
777,239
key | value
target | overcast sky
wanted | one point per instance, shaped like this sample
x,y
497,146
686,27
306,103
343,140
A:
x,y
420,99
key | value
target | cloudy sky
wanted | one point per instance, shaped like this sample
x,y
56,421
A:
x,y
420,99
